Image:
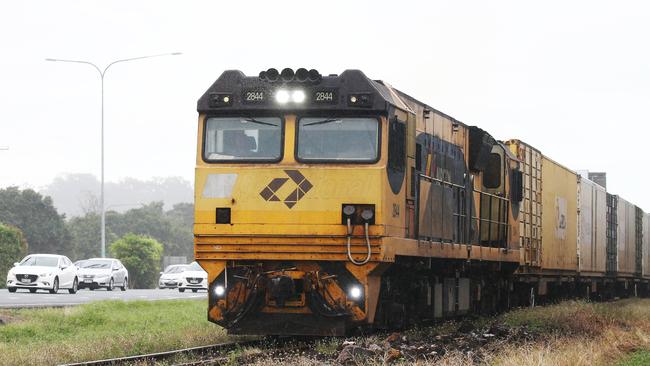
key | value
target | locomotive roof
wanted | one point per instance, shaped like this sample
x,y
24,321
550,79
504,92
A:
x,y
258,93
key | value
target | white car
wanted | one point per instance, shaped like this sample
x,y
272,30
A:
x,y
171,276
103,272
193,278
43,272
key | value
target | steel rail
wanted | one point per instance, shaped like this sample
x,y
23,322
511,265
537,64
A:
x,y
225,360
168,354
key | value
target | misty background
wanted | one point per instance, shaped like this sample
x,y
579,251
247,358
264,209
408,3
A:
x,y
570,78
79,194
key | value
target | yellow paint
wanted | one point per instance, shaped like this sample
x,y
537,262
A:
x,y
560,216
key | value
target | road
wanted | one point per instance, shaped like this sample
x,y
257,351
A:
x,y
24,299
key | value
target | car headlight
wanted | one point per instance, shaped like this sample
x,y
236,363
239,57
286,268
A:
x,y
45,275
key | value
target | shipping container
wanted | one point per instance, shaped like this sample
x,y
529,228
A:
x,y
592,227
560,216
612,233
646,246
530,210
638,242
626,238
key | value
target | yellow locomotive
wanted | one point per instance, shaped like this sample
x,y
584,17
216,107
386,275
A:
x,y
325,203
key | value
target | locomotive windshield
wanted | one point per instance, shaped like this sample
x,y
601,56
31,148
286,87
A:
x,y
243,139
338,139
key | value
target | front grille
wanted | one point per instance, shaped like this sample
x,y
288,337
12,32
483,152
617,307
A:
x,y
24,277
194,280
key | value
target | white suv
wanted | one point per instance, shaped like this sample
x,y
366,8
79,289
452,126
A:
x,y
45,272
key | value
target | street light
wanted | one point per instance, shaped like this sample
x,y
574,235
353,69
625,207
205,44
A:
x,y
101,75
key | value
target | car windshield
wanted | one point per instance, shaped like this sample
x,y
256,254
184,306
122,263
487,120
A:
x,y
38,260
338,139
194,267
97,264
175,269
243,139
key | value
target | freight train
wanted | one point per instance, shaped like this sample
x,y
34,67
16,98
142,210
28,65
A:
x,y
328,203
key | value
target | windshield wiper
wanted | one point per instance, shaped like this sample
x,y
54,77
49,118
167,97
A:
x,y
329,120
259,122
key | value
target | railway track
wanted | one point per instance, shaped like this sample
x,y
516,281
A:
x,y
210,354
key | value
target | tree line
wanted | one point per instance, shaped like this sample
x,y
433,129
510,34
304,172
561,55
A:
x,y
29,223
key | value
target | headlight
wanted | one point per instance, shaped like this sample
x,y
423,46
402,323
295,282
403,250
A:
x,y
282,96
355,292
219,290
45,275
298,96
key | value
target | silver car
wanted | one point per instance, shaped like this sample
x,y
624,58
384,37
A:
x,y
103,272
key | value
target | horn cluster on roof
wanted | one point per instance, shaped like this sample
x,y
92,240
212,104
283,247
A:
x,y
288,75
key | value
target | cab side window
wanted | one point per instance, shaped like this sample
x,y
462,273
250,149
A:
x,y
492,174
396,146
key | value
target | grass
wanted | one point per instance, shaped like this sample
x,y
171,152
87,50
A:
x,y
569,333
641,358
103,330
581,333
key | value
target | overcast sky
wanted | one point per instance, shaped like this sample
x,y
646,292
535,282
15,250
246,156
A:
x,y
569,77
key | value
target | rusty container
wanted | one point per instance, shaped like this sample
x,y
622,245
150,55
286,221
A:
x,y
530,210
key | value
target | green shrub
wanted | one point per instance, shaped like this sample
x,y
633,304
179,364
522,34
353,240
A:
x,y
141,256
13,248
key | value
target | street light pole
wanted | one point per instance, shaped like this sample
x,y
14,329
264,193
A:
x,y
102,73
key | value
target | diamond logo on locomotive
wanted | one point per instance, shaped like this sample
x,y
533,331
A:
x,y
270,192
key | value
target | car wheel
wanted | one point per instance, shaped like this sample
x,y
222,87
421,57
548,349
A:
x,y
181,289
75,287
110,285
125,285
11,289
194,290
55,286
91,288
32,290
